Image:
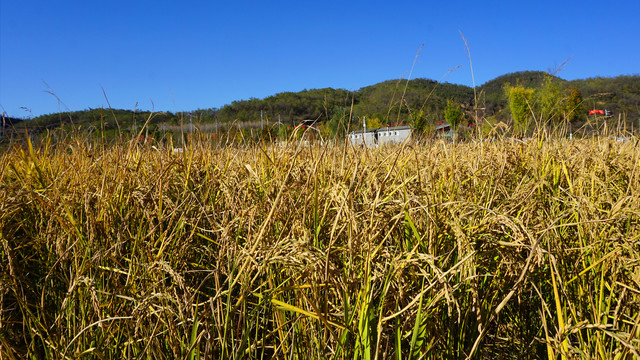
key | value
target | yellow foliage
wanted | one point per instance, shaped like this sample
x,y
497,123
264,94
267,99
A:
x,y
373,123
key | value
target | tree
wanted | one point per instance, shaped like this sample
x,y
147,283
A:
x,y
453,113
419,123
373,123
520,104
549,99
572,105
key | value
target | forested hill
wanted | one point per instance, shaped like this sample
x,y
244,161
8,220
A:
x,y
620,95
493,94
316,104
7,121
391,101
386,101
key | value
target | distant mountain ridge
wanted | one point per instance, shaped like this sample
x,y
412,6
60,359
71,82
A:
x,y
391,101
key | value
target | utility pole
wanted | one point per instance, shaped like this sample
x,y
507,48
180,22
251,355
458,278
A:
x,y
261,126
364,129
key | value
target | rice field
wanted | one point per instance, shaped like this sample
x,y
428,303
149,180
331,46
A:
x,y
477,250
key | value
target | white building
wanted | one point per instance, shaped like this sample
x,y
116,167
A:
x,y
381,136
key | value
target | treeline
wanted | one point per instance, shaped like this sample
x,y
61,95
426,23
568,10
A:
x,y
288,107
621,94
399,101
101,119
389,102
402,101
493,98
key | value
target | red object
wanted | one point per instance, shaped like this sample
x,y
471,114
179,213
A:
x,y
594,112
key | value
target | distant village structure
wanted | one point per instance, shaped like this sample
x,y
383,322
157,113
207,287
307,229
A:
x,y
381,136
394,135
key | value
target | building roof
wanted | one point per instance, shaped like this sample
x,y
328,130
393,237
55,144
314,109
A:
x,y
385,128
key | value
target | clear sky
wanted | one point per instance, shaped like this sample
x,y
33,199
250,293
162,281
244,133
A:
x,y
187,55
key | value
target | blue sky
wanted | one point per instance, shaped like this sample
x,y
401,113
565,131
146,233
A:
x,y
185,55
